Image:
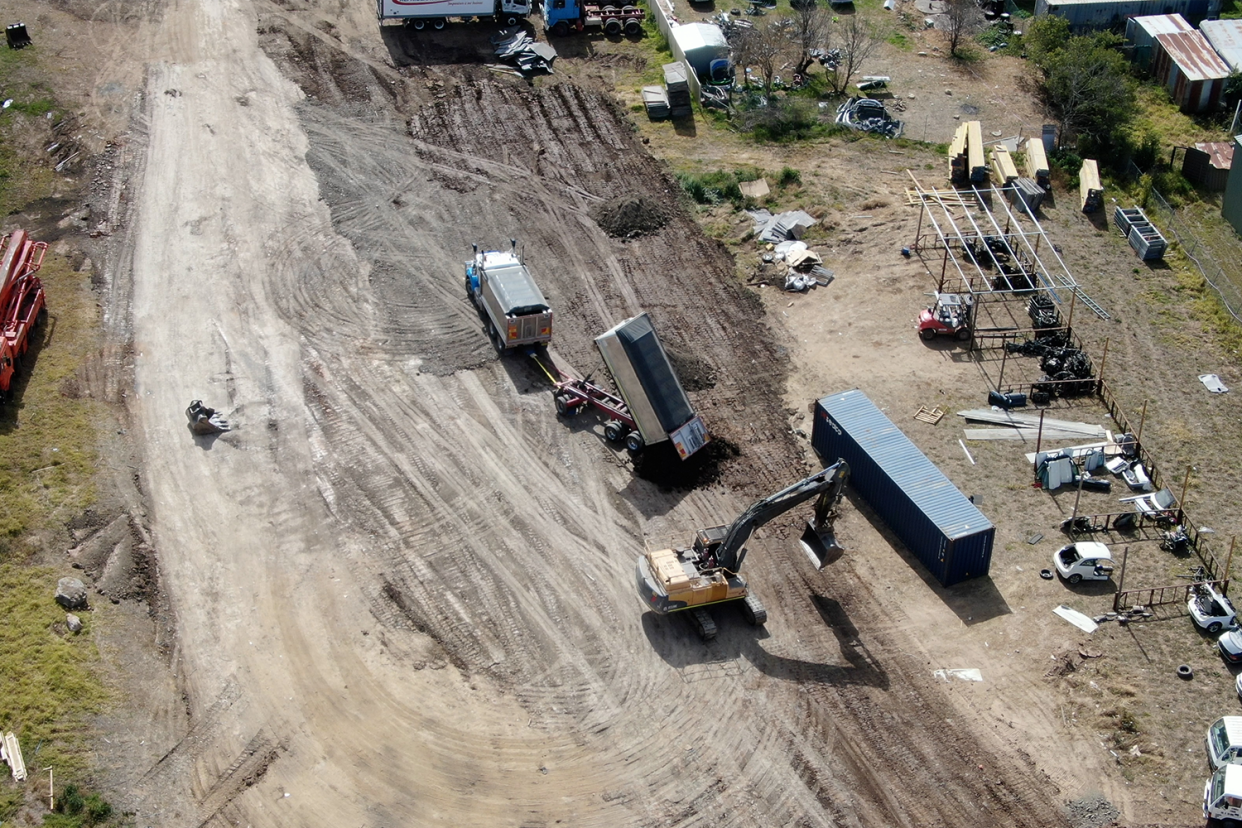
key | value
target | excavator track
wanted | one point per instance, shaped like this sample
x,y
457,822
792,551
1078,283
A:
x,y
754,610
703,623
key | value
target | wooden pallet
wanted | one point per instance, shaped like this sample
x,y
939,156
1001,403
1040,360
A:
x,y
929,415
946,198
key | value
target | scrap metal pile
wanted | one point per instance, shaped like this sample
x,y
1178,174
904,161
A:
x,y
517,47
1067,369
869,115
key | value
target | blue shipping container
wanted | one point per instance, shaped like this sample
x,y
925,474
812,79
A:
x,y
934,520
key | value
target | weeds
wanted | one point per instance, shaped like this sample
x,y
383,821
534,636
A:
x,y
76,809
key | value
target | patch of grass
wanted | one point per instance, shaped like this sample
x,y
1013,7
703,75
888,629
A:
x,y
45,671
711,187
788,177
47,459
900,40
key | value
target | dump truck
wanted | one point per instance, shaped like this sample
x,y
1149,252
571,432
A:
x,y
1090,190
708,571
562,16
22,301
419,14
514,310
650,407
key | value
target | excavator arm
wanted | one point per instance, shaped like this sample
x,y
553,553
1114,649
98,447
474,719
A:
x,y
817,541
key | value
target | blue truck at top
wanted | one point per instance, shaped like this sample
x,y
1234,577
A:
x,y
562,16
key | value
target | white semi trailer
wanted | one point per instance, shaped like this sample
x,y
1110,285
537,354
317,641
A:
x,y
419,14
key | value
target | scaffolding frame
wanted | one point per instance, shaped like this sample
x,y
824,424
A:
x,y
1020,257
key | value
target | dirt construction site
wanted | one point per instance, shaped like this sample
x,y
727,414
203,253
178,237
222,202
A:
x,y
401,591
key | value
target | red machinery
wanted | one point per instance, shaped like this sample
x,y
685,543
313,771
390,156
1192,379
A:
x,y
22,301
572,395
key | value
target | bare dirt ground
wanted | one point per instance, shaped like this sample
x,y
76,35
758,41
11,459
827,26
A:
x,y
401,592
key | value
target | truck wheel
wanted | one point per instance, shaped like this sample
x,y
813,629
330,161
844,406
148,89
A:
x,y
612,26
565,406
511,21
633,26
963,335
419,25
438,23
927,334
634,442
614,431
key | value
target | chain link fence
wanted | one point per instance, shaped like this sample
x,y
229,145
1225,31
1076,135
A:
x,y
1178,225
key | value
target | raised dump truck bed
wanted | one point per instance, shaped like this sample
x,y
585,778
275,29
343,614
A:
x,y
645,377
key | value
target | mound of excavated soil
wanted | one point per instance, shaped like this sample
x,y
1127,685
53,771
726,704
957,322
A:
x,y
629,216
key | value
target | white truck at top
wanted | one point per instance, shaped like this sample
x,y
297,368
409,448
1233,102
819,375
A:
x,y
421,13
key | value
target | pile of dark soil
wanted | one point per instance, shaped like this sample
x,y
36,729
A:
x,y
694,373
661,465
629,216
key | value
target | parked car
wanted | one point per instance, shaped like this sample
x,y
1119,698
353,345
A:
x,y
1237,685
1224,742
1084,561
1230,645
1222,795
1210,610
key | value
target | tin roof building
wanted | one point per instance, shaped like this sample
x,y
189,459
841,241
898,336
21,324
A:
x,y
1226,38
1089,15
1141,34
1187,65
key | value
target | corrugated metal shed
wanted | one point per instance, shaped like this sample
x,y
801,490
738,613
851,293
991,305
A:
x,y
1193,55
1087,15
1141,33
1226,38
1208,164
924,509
1186,64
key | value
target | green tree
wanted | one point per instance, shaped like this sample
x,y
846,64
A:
x,y
1088,84
1043,36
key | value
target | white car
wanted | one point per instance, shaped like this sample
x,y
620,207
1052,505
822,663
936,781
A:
x,y
1230,645
1084,561
1210,610
1237,685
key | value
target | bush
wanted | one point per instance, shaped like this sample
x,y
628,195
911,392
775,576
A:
x,y
74,809
789,177
781,119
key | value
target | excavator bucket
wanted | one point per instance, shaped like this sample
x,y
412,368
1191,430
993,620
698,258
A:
x,y
17,36
820,544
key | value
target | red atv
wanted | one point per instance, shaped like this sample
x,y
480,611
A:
x,y
952,315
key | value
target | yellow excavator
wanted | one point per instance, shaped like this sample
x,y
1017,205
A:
x,y
706,573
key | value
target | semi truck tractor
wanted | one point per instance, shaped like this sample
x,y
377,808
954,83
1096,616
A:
x,y
513,308
419,14
562,16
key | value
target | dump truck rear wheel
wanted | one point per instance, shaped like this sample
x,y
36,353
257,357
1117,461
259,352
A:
x,y
612,27
754,611
634,442
614,431
632,26
565,406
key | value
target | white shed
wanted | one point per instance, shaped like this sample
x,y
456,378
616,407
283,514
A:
x,y
701,43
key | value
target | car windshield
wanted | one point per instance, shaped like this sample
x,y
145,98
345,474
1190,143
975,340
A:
x,y
1218,787
1220,744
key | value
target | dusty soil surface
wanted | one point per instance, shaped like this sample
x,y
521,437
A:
x,y
401,591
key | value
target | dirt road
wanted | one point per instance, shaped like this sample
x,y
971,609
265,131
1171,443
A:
x,y
402,589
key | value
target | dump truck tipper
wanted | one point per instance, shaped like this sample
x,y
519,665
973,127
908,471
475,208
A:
x,y
651,406
513,308
419,14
